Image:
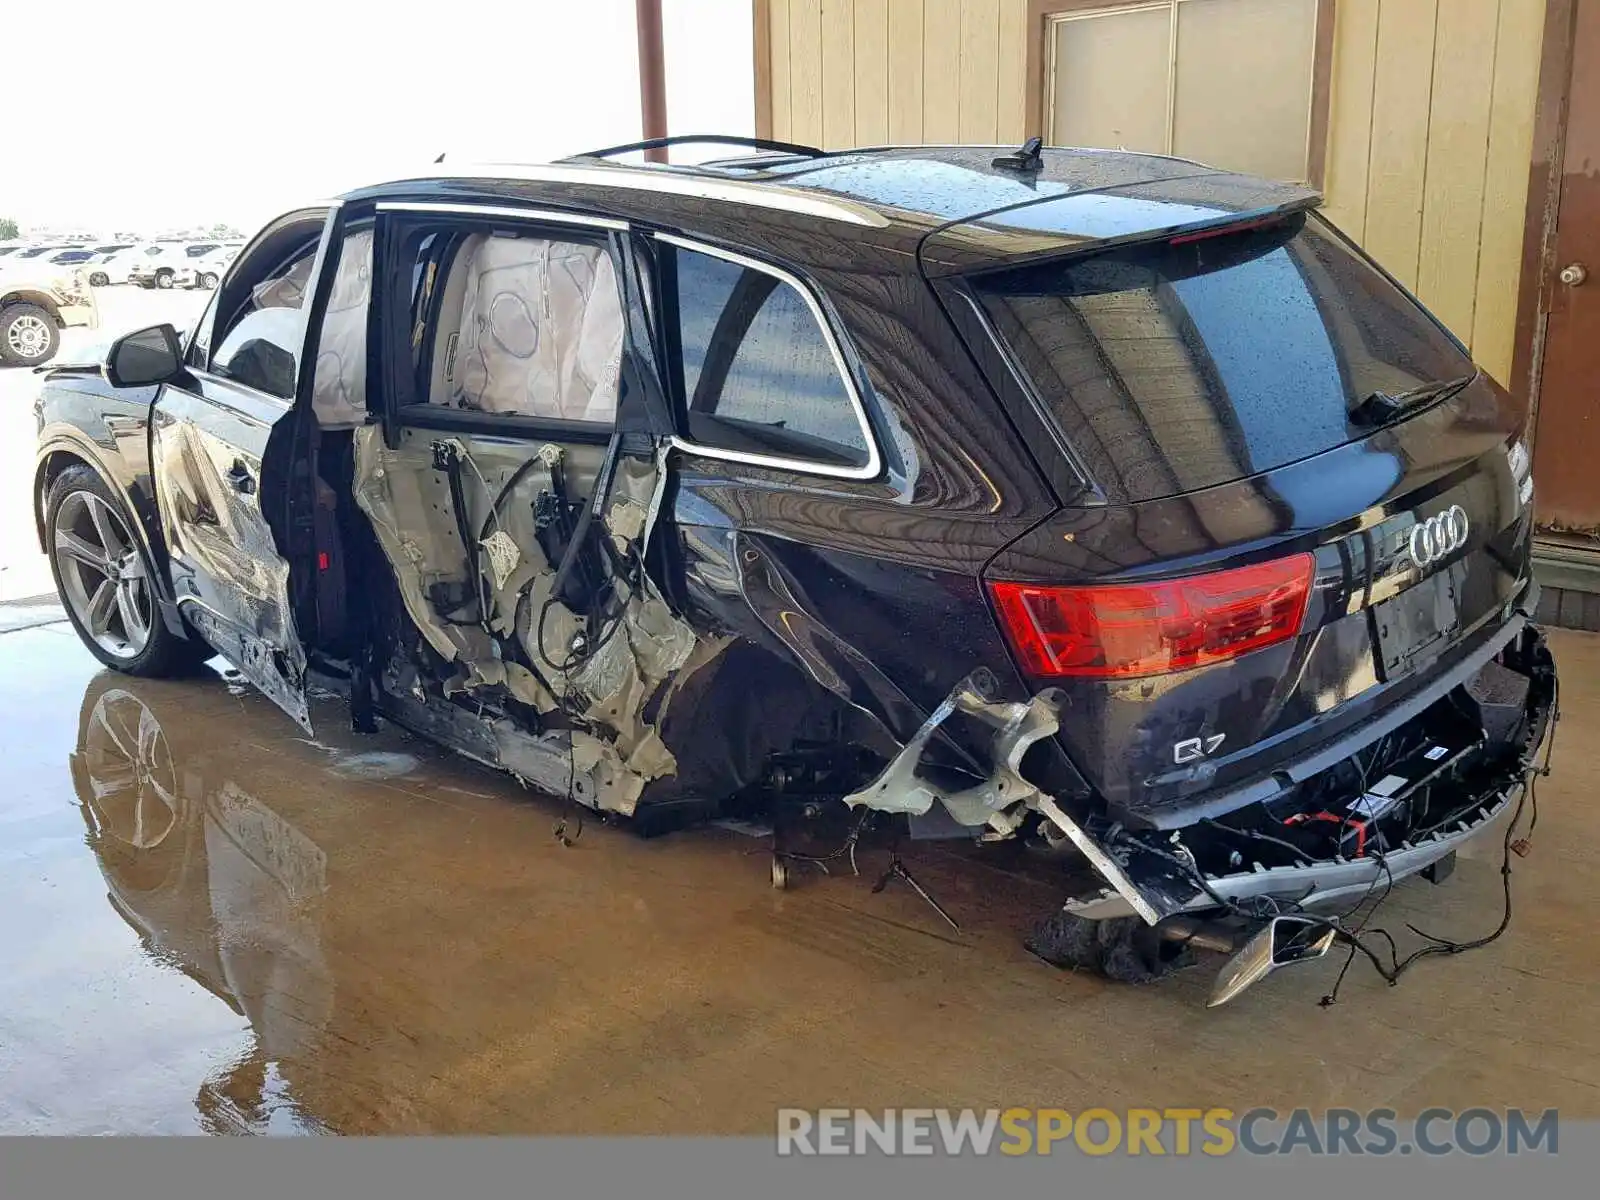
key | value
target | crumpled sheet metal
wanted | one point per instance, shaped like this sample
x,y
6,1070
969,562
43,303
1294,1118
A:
x,y
1002,800
653,648
413,535
998,801
222,533
615,685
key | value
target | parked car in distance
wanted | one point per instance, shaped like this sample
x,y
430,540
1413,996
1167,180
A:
x,y
1105,510
33,254
98,269
206,271
116,268
156,264
37,301
78,257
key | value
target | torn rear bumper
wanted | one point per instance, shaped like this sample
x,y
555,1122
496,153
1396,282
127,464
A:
x,y
1159,874
1317,886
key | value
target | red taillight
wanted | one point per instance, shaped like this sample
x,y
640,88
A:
x,y
1126,629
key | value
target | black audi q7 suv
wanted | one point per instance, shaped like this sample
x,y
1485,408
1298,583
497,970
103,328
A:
x,y
1100,502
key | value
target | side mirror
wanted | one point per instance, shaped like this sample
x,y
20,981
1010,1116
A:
x,y
144,357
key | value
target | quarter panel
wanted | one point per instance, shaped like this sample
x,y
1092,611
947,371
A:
x,y
872,611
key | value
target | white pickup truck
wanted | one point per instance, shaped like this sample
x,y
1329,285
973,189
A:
x,y
38,301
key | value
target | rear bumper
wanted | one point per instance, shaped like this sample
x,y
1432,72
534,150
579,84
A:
x,y
1325,885
1478,797
1390,717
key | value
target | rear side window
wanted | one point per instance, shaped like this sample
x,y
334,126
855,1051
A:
x,y
1185,364
514,322
759,374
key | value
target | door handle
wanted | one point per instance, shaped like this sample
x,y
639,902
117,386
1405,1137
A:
x,y
1574,275
240,479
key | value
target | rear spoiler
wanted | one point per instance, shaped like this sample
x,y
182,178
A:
x,y
1189,207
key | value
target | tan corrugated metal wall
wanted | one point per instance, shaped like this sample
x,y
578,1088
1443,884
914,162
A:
x,y
1429,133
1429,140
869,72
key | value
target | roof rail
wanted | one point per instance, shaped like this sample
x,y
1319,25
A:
x,y
712,139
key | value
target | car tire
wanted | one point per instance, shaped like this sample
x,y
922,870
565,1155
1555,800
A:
x,y
99,279
207,281
1123,949
164,280
81,511
28,335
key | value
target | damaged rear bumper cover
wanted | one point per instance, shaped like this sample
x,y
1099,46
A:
x,y
1154,876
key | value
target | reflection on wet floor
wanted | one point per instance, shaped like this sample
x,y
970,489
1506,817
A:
x,y
218,885
216,924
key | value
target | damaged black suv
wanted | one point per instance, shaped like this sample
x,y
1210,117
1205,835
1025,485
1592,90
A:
x,y
1101,502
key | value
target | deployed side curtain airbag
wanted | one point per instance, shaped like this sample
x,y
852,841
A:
x,y
540,331
339,388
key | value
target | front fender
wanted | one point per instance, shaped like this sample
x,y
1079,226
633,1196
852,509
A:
x,y
124,465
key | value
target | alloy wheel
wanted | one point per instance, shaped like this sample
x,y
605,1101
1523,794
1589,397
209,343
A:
x,y
103,576
133,787
28,337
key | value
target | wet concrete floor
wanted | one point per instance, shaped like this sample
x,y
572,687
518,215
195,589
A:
x,y
210,923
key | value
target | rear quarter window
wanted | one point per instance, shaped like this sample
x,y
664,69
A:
x,y
1193,362
758,373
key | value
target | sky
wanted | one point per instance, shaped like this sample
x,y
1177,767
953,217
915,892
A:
x,y
176,113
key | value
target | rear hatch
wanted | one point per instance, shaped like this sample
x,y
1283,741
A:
x,y
1299,512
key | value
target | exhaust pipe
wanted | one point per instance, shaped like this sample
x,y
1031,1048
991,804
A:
x,y
1203,934
1282,942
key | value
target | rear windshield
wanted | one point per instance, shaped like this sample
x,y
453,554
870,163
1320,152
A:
x,y
1179,365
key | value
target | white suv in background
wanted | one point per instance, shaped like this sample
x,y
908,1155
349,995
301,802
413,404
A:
x,y
156,265
101,255
206,271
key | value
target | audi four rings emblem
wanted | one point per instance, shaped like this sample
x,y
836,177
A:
x,y
1438,536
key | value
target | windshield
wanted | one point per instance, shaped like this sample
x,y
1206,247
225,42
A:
x,y
1203,359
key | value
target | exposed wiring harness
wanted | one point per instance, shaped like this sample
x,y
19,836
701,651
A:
x,y
590,645
1357,939
1532,771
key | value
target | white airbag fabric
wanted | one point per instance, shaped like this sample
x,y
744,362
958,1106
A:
x,y
540,332
339,388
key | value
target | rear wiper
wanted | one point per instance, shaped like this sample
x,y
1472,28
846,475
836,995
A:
x,y
1381,408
